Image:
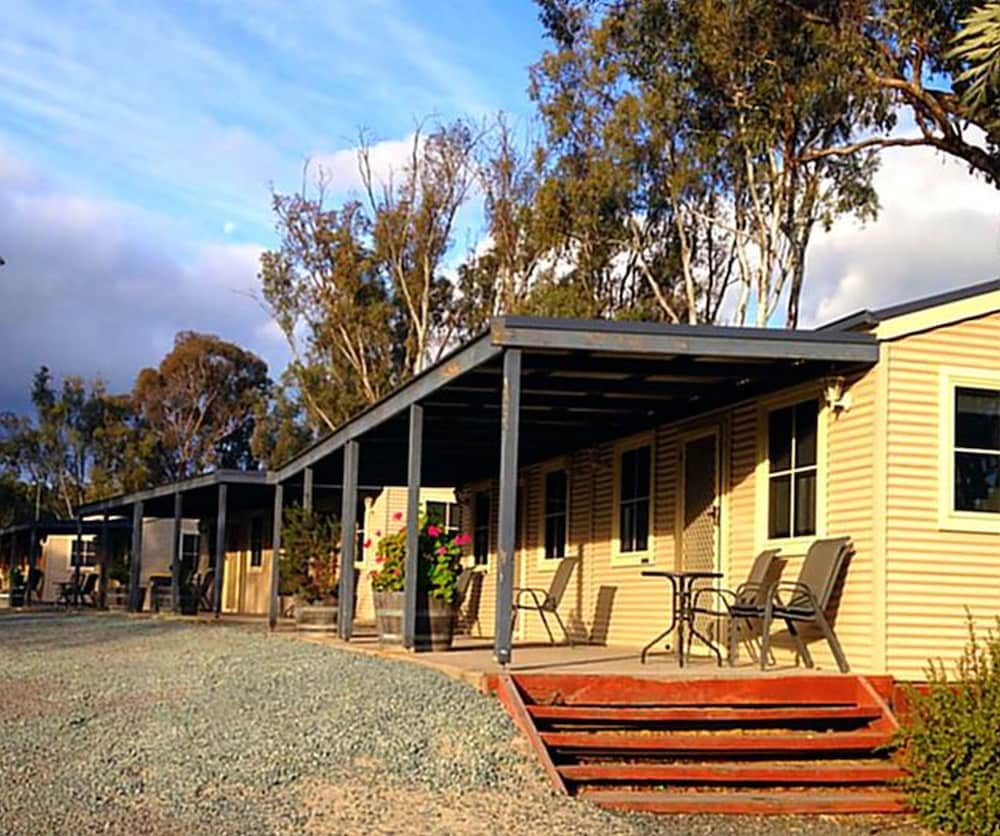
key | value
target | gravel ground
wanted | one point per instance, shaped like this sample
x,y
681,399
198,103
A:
x,y
117,725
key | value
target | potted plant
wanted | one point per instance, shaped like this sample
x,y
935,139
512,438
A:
x,y
439,559
308,568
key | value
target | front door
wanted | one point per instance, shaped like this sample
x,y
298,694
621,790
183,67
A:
x,y
701,509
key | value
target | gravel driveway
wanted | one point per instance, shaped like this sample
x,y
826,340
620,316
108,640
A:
x,y
118,725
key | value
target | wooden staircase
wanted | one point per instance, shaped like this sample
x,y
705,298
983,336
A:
x,y
782,744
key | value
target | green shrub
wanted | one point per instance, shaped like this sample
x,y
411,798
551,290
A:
x,y
950,742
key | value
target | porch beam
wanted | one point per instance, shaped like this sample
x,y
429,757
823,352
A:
x,y
279,509
506,535
412,569
348,539
454,365
104,559
175,559
220,547
135,565
684,340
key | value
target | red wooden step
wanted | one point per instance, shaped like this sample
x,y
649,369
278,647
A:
x,y
774,690
685,743
756,802
707,714
733,773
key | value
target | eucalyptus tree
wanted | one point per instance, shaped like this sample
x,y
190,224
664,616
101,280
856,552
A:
x,y
681,134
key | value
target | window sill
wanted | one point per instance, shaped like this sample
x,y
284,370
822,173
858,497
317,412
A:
x,y
970,523
791,546
633,559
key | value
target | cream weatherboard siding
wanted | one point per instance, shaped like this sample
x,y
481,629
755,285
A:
x,y
610,602
933,574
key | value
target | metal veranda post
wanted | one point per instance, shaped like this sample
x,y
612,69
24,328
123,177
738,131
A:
x,y
220,548
348,539
279,510
411,570
175,561
510,410
135,565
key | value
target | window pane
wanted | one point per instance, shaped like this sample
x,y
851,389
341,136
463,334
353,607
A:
x,y
805,503
555,492
977,482
626,528
481,532
642,525
629,477
977,419
643,471
435,513
779,439
779,507
555,537
805,433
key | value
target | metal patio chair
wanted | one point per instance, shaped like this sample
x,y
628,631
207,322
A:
x,y
547,601
741,606
71,592
807,599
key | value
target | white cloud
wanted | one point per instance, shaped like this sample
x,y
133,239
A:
x,y
939,228
93,287
341,174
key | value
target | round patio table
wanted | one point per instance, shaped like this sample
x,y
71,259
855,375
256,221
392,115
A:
x,y
682,586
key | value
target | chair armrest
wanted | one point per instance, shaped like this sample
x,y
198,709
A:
x,y
795,588
520,591
723,594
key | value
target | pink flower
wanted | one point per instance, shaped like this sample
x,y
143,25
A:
x,y
442,550
396,572
380,559
397,516
433,531
463,540
368,543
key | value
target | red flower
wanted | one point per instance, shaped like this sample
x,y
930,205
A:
x,y
396,572
368,543
378,533
442,550
463,540
397,516
433,531
380,559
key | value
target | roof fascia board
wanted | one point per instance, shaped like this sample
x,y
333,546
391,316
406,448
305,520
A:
x,y
686,340
926,319
463,360
229,477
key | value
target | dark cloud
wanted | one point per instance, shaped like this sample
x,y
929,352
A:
x,y
96,288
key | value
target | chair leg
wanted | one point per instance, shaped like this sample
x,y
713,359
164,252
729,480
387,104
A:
x,y
541,614
800,646
734,628
765,636
569,638
831,639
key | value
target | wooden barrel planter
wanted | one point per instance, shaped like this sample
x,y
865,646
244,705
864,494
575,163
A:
x,y
388,616
319,617
435,624
435,621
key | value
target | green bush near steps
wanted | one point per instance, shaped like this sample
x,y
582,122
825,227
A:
x,y
950,742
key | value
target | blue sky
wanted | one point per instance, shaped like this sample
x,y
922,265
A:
x,y
139,141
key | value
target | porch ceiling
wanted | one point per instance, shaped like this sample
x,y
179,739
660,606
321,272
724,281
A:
x,y
582,383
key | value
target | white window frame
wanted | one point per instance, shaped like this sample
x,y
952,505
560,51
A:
x,y
790,545
646,557
549,564
951,379
89,540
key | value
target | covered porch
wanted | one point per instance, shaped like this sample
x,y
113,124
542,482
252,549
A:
x,y
530,390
